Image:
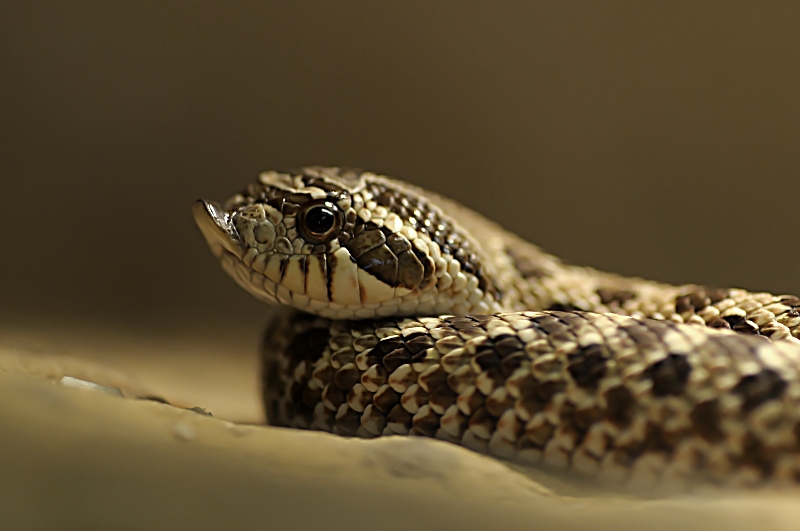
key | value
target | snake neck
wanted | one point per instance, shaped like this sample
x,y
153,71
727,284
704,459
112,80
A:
x,y
528,278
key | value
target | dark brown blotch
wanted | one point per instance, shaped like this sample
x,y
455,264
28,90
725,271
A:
x,y
620,405
716,295
699,299
618,296
442,397
551,324
276,203
419,344
334,395
669,375
395,359
349,423
316,176
683,304
346,377
511,363
755,389
343,356
381,263
526,264
386,398
756,454
298,199
428,268
485,320
364,242
388,344
308,346
398,415
563,307
790,300
539,435
719,322
461,323
583,418
587,365
482,420
365,342
544,391
740,324
385,198
644,336
426,424
373,357
397,242
410,271
705,420
486,358
505,345
434,378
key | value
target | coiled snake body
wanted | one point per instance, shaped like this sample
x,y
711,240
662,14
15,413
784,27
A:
x,y
421,317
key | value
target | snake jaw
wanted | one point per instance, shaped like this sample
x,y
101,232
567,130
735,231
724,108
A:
x,y
215,224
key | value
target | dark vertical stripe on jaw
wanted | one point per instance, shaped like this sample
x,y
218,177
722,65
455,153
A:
x,y
323,268
303,266
284,263
304,271
330,268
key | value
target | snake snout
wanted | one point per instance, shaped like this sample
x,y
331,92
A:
x,y
215,224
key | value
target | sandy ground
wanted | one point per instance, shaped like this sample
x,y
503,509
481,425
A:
x,y
82,459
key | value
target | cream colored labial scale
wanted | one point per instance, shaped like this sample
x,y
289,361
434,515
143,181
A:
x,y
273,270
317,280
294,277
344,284
373,290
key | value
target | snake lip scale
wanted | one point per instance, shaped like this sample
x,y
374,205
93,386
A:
x,y
418,316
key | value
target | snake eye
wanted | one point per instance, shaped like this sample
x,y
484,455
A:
x,y
320,222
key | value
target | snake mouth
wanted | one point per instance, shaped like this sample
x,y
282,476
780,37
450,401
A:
x,y
217,228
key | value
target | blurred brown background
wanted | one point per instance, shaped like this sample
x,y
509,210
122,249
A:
x,y
650,138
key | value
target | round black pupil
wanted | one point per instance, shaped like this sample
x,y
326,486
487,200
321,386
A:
x,y
319,220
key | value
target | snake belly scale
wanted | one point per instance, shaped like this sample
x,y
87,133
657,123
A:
x,y
420,317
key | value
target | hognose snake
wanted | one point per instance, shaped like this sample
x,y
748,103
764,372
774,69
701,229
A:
x,y
419,316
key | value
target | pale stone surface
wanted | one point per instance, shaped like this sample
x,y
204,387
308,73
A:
x,y
81,459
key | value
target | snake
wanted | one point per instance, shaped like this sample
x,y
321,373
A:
x,y
410,314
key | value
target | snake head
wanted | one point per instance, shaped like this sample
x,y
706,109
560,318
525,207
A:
x,y
342,243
